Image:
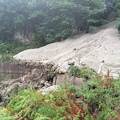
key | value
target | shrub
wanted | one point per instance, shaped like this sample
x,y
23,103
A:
x,y
31,105
98,100
81,72
8,49
102,97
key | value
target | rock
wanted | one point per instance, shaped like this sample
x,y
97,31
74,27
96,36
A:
x,y
112,16
50,82
71,63
71,79
24,37
42,82
35,72
47,84
60,78
36,79
64,68
79,82
47,90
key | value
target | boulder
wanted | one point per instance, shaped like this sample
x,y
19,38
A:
x,y
60,78
48,89
78,82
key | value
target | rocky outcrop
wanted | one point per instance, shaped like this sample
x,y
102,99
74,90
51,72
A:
x,y
23,37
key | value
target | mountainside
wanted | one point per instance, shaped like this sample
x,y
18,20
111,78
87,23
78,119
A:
x,y
82,50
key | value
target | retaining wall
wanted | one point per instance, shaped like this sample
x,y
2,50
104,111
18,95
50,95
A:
x,y
15,70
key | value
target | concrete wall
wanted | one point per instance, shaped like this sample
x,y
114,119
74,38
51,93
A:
x,y
14,70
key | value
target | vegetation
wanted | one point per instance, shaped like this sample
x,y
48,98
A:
x,y
53,20
8,49
97,100
81,72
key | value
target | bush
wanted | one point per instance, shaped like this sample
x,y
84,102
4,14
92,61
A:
x,y
97,100
102,97
81,72
31,104
8,49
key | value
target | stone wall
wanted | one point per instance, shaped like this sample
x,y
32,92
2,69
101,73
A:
x,y
15,70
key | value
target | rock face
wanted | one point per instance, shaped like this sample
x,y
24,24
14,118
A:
x,y
23,37
82,50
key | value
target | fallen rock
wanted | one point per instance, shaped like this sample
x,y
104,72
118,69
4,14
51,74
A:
x,y
60,78
45,91
65,78
79,82
34,79
47,84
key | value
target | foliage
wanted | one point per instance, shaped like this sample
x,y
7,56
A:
x,y
53,20
97,100
50,20
81,72
8,49
102,96
5,115
32,105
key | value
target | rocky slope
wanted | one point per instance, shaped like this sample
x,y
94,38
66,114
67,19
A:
x,y
82,50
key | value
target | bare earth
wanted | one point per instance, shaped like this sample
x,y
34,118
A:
x,y
84,50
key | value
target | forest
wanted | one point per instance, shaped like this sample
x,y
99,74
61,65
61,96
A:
x,y
52,20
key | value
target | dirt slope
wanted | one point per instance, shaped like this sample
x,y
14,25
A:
x,y
85,50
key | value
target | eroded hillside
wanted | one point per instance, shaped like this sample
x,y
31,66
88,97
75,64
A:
x,y
82,50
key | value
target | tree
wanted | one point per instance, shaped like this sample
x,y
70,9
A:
x,y
68,17
50,20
